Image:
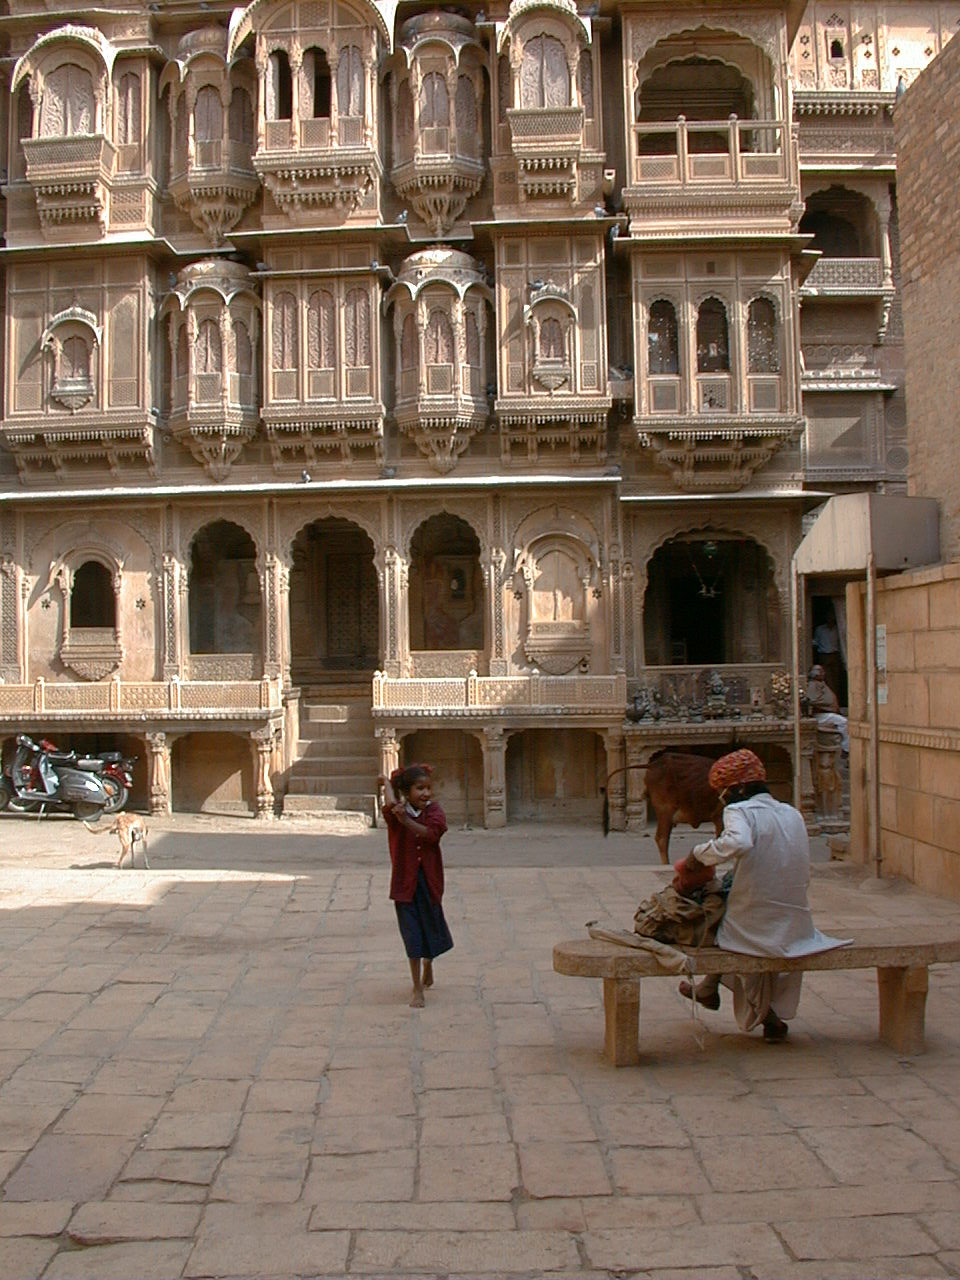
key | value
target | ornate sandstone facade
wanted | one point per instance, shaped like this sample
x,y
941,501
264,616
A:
x,y
381,380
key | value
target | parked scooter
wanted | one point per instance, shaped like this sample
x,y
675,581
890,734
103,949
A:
x,y
113,767
40,781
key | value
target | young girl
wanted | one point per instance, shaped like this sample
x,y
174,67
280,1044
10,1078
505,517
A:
x,y
415,824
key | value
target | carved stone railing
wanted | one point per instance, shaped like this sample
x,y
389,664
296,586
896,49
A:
x,y
223,666
431,663
70,177
546,144
849,276
486,696
738,153
143,699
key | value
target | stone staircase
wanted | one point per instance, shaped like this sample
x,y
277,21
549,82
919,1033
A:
x,y
334,778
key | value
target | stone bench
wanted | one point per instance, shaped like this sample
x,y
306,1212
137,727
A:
x,y
899,956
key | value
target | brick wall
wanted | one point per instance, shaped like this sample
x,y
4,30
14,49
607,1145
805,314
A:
x,y
919,728
927,123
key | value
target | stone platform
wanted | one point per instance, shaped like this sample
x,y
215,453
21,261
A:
x,y
210,1069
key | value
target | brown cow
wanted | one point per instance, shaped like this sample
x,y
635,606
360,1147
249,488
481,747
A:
x,y
677,787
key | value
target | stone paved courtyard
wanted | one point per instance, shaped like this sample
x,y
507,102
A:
x,y
210,1069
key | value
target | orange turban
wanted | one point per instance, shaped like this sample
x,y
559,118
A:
x,y
735,769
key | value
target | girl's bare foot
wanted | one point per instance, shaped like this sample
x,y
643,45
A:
x,y
416,1000
428,973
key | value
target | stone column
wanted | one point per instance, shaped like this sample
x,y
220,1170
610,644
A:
x,y
261,746
617,786
495,613
494,744
388,740
270,603
9,620
296,66
638,752
158,773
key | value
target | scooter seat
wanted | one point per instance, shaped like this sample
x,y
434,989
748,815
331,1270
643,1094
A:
x,y
60,757
111,757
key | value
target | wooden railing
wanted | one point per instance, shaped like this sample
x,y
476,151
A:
x,y
691,153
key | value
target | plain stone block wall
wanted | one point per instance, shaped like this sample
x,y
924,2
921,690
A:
x,y
919,728
927,124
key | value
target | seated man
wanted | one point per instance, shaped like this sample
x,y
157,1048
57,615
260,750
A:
x,y
767,911
822,702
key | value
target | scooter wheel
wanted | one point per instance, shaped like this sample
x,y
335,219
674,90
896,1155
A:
x,y
117,794
87,812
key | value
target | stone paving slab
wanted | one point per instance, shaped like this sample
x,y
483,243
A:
x,y
210,1070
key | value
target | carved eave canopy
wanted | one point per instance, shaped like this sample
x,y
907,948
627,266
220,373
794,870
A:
x,y
245,22
227,279
72,315
207,44
565,10
720,458
451,29
439,265
88,37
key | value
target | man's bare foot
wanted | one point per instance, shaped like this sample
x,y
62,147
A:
x,y
428,973
416,1000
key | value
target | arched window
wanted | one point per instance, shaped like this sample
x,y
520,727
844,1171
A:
x,y
438,339
504,88
763,347
408,344
663,348
585,83
242,348
544,74
129,127
208,115
284,331
241,117
182,366
74,361
434,101
404,120
180,130
67,106
473,341
317,77
713,344
24,128
551,339
350,95
209,355
92,601
466,109
356,329
320,330
279,87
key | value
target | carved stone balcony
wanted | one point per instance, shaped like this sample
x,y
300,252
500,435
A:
x,y
214,432
716,456
442,414
43,445
546,144
317,165
731,176
218,184
845,128
846,278
71,180
475,696
437,182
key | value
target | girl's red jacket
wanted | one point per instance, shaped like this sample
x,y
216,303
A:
x,y
408,852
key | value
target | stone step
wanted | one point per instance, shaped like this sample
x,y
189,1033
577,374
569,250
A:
x,y
333,821
336,749
340,784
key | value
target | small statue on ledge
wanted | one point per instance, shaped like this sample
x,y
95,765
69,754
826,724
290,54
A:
x,y
715,703
646,705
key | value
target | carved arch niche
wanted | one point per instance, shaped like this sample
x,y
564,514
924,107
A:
x,y
557,576
89,579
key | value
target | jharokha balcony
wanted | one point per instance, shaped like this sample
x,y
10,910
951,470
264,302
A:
x,y
71,179
685,170
546,144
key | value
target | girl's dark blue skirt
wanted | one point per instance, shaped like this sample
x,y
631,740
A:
x,y
422,924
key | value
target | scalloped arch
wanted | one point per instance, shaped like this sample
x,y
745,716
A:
x,y
245,22
329,512
189,532
466,512
87,37
719,532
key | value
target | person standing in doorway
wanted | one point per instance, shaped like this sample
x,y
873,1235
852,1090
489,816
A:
x,y
826,649
415,825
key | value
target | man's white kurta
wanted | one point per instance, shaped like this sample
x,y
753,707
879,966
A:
x,y
767,911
